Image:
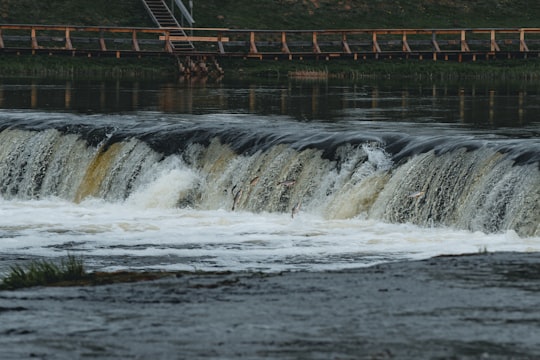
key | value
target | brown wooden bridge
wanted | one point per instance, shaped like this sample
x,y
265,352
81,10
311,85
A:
x,y
215,43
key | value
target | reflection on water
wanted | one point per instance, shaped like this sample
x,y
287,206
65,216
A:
x,y
478,103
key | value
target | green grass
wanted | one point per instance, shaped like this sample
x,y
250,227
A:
x,y
413,69
88,68
71,272
39,273
75,12
347,14
285,14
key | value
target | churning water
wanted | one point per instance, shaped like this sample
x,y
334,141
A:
x,y
216,188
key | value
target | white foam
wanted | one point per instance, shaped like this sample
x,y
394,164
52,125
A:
x,y
165,191
163,237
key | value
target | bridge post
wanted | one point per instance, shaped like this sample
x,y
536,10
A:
x,y
522,44
69,46
494,45
376,47
345,44
220,43
134,41
102,44
1,40
284,46
464,45
168,46
405,46
434,42
316,48
34,39
252,45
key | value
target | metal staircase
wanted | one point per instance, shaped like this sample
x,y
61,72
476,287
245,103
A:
x,y
164,18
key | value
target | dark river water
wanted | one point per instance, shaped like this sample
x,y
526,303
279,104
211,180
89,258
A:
x,y
479,104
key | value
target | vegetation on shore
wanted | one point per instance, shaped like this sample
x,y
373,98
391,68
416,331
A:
x,y
87,68
59,67
354,14
44,273
362,69
75,12
285,14
70,272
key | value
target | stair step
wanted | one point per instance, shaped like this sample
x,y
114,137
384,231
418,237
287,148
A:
x,y
162,15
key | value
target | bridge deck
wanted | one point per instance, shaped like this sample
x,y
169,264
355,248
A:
x,y
435,44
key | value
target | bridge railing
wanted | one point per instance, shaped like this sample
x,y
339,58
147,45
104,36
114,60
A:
x,y
258,43
86,39
436,43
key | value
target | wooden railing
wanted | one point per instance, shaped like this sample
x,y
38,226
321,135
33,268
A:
x,y
378,42
84,39
276,44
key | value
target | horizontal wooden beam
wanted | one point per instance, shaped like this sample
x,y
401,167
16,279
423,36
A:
x,y
195,38
195,29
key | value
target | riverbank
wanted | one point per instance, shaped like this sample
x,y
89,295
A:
x,y
159,68
463,307
285,14
59,67
384,69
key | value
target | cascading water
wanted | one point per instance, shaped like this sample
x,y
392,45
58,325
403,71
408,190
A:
x,y
459,181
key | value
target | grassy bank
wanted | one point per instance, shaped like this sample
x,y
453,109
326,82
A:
x,y
414,69
75,12
166,68
69,272
88,68
353,14
285,14
44,273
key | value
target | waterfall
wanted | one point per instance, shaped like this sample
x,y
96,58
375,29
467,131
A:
x,y
457,182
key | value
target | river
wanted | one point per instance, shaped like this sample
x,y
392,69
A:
x,y
320,175
310,219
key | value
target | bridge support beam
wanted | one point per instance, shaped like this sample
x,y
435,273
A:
x,y
102,44
284,46
494,45
345,44
434,42
316,48
34,39
375,44
134,41
464,45
522,45
252,45
69,45
405,44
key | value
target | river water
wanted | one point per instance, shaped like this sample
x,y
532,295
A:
x,y
266,176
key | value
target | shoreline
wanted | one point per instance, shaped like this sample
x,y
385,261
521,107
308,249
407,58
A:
x,y
159,68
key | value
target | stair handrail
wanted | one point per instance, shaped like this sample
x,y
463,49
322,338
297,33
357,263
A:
x,y
185,11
